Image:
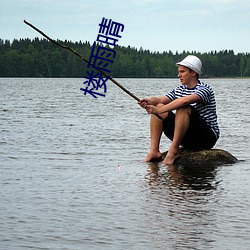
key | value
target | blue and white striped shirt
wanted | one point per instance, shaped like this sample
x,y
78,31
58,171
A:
x,y
206,108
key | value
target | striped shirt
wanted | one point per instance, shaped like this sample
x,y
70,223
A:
x,y
206,108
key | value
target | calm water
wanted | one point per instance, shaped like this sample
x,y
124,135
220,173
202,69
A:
x,y
72,175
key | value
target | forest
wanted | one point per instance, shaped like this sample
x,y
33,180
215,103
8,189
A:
x,y
41,58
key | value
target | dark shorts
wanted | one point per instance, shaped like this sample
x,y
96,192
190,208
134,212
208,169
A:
x,y
199,135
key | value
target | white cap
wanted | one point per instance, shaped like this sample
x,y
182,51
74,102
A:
x,y
191,62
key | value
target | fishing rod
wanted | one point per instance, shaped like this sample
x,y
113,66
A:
x,y
87,61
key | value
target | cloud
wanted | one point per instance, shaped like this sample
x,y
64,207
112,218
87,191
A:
x,y
84,6
143,3
225,5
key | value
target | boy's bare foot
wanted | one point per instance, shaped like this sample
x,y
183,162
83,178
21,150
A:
x,y
170,157
153,156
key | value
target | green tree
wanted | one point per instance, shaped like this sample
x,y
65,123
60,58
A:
x,y
247,69
41,58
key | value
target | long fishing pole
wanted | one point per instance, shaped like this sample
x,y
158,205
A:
x,y
87,61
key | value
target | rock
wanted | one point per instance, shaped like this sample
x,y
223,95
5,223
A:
x,y
213,157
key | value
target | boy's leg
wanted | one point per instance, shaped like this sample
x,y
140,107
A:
x,y
199,135
156,127
181,126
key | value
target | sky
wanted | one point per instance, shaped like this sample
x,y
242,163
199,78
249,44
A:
x,y
155,25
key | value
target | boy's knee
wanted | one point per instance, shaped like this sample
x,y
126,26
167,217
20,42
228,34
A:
x,y
159,105
184,110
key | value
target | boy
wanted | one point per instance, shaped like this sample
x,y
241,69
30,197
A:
x,y
194,125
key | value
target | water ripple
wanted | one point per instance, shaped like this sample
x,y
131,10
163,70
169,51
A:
x,y
72,175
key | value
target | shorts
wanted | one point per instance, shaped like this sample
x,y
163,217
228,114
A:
x,y
199,135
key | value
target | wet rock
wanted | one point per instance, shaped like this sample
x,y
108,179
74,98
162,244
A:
x,y
204,157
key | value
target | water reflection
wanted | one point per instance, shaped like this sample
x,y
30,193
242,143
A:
x,y
183,177
183,198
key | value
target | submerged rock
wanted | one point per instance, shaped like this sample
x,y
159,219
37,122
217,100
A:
x,y
204,157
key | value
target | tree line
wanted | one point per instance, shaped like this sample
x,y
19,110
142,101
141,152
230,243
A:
x,y
41,58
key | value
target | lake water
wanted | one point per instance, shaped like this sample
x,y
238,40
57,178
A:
x,y
72,175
